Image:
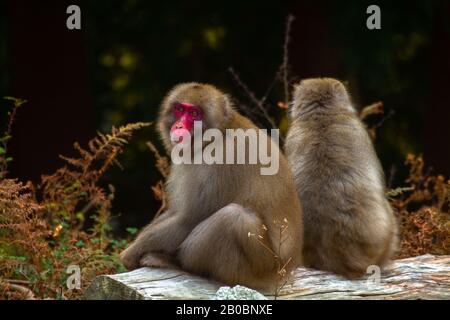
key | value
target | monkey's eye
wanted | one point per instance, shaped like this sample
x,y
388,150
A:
x,y
179,108
194,113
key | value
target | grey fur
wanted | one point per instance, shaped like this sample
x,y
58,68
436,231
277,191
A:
x,y
348,221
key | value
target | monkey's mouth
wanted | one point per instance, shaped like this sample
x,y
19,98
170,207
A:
x,y
177,140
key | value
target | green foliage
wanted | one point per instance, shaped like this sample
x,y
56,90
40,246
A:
x,y
132,231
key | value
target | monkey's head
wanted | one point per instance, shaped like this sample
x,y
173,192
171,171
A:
x,y
319,93
187,103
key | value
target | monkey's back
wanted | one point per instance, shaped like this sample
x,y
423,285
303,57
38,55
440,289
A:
x,y
348,222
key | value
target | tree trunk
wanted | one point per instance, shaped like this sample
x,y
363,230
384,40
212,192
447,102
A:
x,y
422,277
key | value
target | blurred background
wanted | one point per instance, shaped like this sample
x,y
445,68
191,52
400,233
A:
x,y
129,53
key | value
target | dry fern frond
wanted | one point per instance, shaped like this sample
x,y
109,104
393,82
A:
x,y
56,225
163,166
372,112
162,162
424,213
73,191
372,109
21,219
424,231
392,193
104,147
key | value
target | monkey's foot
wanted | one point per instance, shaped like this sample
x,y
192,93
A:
x,y
129,259
155,260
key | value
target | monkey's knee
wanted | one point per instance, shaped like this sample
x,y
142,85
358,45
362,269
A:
x,y
220,247
238,215
223,228
236,222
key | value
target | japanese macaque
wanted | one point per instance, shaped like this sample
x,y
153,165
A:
x,y
348,222
223,220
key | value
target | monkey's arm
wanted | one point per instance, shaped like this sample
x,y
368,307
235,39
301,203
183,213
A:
x,y
162,237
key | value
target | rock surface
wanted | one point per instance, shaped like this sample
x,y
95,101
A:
x,y
238,293
422,277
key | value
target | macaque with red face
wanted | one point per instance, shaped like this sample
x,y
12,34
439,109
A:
x,y
213,209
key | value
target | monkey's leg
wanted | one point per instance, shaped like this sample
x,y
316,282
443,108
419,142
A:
x,y
221,247
161,236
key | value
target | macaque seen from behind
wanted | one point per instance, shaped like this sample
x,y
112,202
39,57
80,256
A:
x,y
213,208
349,224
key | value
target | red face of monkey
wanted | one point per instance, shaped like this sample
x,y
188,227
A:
x,y
185,115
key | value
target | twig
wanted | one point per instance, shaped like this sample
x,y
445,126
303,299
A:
x,y
281,267
7,134
252,97
285,65
17,281
272,84
392,173
244,87
28,294
17,103
386,117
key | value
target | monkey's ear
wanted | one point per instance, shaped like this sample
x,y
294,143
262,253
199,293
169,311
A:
x,y
339,90
342,95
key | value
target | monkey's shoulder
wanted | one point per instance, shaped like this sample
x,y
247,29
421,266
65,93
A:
x,y
238,121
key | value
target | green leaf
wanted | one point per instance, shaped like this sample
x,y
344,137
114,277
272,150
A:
x,y
2,150
44,274
18,258
132,230
5,138
79,243
80,216
17,101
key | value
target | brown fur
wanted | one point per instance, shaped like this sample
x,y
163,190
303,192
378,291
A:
x,y
348,222
212,208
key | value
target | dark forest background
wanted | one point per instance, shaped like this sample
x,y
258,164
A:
x,y
129,53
